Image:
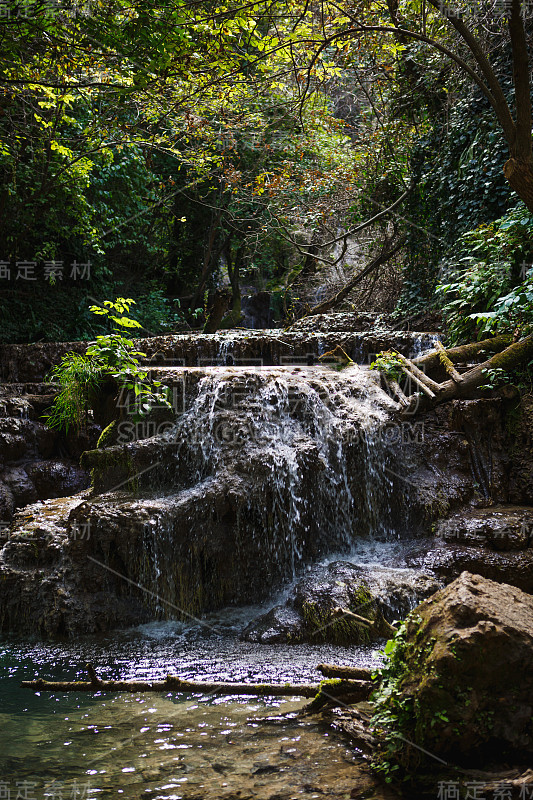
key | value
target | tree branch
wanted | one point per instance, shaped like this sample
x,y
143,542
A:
x,y
383,257
521,148
497,97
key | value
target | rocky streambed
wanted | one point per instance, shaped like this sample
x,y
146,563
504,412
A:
x,y
278,478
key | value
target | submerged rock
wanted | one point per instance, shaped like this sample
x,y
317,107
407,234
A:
x,y
460,683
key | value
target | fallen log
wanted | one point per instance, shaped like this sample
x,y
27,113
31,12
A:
x,y
348,690
174,684
447,364
421,384
397,392
338,691
464,352
518,353
420,377
338,671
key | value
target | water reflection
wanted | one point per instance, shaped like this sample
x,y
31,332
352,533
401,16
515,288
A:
x,y
145,745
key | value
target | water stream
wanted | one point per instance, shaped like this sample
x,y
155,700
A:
x,y
177,746
308,444
171,746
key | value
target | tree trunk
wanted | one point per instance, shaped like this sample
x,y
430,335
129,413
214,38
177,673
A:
x,y
218,309
464,352
519,175
386,255
234,317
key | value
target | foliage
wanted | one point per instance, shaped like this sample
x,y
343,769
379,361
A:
x,y
457,176
512,311
495,377
111,355
180,144
392,710
389,363
79,377
399,722
126,172
489,286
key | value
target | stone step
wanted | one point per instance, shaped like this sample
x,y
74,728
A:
x,y
31,363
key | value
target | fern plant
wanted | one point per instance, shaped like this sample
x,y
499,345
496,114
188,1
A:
x,y
78,376
110,355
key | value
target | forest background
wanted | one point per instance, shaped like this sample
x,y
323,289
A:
x,y
165,150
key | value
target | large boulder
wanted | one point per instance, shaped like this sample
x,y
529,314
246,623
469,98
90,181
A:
x,y
459,683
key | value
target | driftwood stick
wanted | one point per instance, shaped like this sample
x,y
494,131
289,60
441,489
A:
x,y
398,393
175,684
345,691
419,383
339,354
337,671
390,629
421,376
345,612
447,364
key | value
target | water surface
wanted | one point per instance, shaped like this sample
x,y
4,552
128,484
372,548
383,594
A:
x,y
107,745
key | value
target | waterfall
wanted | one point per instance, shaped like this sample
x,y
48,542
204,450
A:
x,y
282,465
258,473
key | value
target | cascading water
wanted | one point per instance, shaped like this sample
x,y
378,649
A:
x,y
268,477
300,463
261,471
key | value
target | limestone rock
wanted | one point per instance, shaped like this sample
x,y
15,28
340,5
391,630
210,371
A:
x,y
498,527
495,542
463,675
21,486
6,503
56,478
308,615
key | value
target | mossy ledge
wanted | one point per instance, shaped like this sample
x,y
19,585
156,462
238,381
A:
x,y
111,468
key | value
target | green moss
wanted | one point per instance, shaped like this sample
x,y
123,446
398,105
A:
x,y
513,421
108,437
321,626
399,716
111,466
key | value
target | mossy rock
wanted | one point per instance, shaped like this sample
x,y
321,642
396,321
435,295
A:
x,y
311,612
459,679
109,436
